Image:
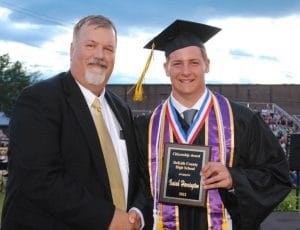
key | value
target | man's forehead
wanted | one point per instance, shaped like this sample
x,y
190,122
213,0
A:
x,y
190,51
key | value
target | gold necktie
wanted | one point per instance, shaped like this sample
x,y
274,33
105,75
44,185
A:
x,y
111,162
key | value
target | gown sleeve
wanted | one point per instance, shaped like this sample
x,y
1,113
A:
x,y
260,171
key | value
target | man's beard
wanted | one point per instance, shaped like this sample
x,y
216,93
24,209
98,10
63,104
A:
x,y
95,75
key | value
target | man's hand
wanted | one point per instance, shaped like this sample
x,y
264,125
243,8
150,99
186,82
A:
x,y
216,175
125,221
135,219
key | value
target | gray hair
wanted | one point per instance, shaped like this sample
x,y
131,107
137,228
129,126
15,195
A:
x,y
97,20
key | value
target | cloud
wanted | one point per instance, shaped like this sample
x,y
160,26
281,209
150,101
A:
x,y
247,50
132,57
144,13
268,46
49,58
25,32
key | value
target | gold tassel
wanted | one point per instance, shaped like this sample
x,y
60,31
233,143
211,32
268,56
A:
x,y
138,91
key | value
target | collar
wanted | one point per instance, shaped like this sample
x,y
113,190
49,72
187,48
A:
x,y
181,108
89,96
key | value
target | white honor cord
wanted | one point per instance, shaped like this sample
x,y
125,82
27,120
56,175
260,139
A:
x,y
155,217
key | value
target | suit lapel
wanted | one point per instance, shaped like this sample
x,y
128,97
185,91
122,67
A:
x,y
79,106
119,111
123,117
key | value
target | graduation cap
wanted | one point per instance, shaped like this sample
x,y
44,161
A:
x,y
178,35
181,34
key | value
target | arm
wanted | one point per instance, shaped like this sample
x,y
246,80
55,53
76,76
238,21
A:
x,y
259,173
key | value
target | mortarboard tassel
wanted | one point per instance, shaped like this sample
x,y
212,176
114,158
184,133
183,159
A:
x,y
138,91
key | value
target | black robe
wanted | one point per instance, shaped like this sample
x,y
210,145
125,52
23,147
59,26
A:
x,y
259,172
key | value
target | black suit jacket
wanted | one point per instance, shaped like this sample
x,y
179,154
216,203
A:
x,y
57,174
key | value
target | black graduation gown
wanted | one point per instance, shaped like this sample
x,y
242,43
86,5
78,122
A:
x,y
259,172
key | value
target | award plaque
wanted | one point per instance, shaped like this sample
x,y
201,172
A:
x,y
181,180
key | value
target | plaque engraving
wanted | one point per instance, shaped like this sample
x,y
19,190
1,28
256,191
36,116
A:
x,y
181,180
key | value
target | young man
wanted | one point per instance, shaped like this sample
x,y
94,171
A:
x,y
67,170
247,174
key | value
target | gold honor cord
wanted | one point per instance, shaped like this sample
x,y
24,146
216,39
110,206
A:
x,y
138,91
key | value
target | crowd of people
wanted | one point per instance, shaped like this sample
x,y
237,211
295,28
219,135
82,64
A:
x,y
3,159
3,168
282,128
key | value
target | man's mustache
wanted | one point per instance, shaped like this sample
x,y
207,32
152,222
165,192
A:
x,y
96,61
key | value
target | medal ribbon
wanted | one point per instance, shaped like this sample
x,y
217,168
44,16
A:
x,y
188,137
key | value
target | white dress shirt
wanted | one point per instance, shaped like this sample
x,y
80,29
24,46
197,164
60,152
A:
x,y
114,130
181,108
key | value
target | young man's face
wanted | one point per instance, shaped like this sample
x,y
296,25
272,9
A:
x,y
186,68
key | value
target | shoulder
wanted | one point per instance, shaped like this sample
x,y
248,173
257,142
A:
x,y
46,87
243,116
241,111
117,104
45,93
113,97
247,123
142,120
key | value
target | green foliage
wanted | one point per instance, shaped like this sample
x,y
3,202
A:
x,y
289,203
13,78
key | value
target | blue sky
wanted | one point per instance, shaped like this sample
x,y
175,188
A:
x,y
258,43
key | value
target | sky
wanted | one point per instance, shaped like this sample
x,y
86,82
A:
x,y
258,43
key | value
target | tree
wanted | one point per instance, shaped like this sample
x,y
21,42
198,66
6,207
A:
x,y
13,78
